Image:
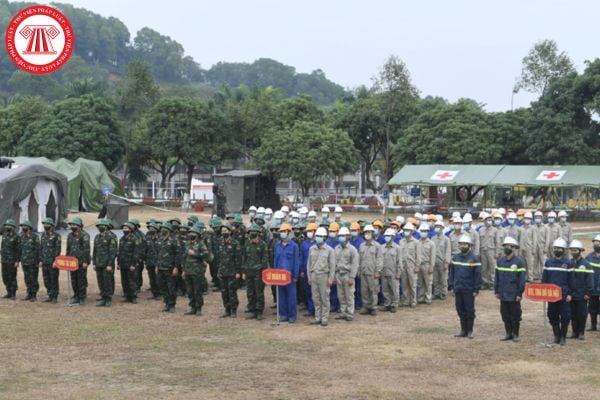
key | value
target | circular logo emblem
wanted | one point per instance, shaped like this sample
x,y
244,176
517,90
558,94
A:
x,y
39,39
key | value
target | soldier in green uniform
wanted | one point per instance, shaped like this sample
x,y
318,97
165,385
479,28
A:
x,y
194,269
127,258
103,258
150,247
78,246
30,252
264,231
10,258
239,230
192,220
255,260
180,237
167,257
228,257
140,243
271,246
208,243
50,247
213,236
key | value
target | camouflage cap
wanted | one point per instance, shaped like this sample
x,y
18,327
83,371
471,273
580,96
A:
x,y
28,224
76,221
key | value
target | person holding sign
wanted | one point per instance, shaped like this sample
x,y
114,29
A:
x,y
287,256
584,281
50,246
557,271
509,284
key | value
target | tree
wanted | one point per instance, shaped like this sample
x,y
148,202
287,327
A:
x,y
15,120
85,126
542,65
509,133
297,109
162,53
306,152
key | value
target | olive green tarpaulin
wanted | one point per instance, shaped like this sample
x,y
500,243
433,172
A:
x,y
86,180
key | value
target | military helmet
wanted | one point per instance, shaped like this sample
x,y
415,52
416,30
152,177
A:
x,y
48,221
134,221
110,223
28,224
200,225
102,222
176,219
150,221
153,225
229,227
168,225
129,225
196,229
192,218
184,228
76,221
238,219
254,228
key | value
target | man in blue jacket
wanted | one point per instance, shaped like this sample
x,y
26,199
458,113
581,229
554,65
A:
x,y
557,271
509,284
594,304
464,277
584,281
287,256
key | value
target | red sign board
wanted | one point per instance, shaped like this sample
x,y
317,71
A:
x,y
548,292
66,263
276,277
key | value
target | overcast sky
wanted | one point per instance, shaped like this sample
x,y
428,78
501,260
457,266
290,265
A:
x,y
454,49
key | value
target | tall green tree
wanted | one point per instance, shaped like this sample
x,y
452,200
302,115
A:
x,y
542,65
306,152
15,119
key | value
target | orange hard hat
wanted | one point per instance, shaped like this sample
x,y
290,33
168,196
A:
x,y
355,226
412,220
311,227
334,227
285,227
378,223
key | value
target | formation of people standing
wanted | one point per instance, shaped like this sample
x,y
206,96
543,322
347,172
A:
x,y
336,266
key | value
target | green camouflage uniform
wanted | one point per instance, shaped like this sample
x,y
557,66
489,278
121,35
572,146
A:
x,y
140,243
194,268
30,253
10,256
78,246
256,259
103,256
50,247
167,256
128,257
150,247
228,258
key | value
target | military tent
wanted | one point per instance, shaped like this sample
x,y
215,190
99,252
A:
x,y
86,180
33,192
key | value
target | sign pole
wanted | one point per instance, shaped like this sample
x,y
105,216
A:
x,y
277,299
70,290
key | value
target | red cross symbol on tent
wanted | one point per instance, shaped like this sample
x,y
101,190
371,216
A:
x,y
442,175
550,175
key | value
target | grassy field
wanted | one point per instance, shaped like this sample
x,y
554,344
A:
x,y
136,352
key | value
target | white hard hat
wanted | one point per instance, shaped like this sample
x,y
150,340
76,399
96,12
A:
x,y
285,209
400,219
252,208
294,214
321,232
439,217
344,231
268,211
576,244
560,242
512,215
562,213
502,210
457,220
369,228
303,210
325,209
439,223
551,214
424,227
260,210
409,227
510,240
538,214
418,215
278,214
465,239
597,238
467,217
528,215
312,213
338,209
455,214
389,232
484,215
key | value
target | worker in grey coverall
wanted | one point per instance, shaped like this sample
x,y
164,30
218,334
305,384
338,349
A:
x,y
320,270
426,249
541,248
411,259
390,275
488,248
528,245
346,268
442,260
371,264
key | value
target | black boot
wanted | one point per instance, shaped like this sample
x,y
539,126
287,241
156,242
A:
x,y
27,298
564,328
166,308
515,331
191,311
7,295
574,329
582,322
509,332
470,323
594,322
463,328
13,294
227,313
556,331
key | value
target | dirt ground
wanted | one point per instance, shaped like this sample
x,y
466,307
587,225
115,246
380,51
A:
x,y
136,352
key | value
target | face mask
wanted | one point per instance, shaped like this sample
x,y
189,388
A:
x,y
507,251
253,235
465,226
497,222
538,221
225,234
562,219
295,221
325,215
464,250
47,227
424,234
302,216
277,221
252,215
283,235
451,227
192,236
125,231
550,220
338,215
74,228
575,253
267,217
406,233
319,240
342,239
9,229
260,222
387,239
558,253
25,229
164,232
355,234
488,222
190,224
597,248
310,234
511,221
332,235
368,236
102,229
437,230
376,232
527,221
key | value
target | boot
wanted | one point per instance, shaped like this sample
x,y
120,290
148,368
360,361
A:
x,y
594,322
515,331
556,331
251,315
107,303
574,329
74,300
563,334
259,316
27,298
470,328
7,295
54,300
463,328
33,297
509,332
172,309
191,311
227,313
13,294
101,303
233,313
582,328
48,300
166,308
199,311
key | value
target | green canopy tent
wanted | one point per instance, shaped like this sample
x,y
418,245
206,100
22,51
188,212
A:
x,y
86,180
